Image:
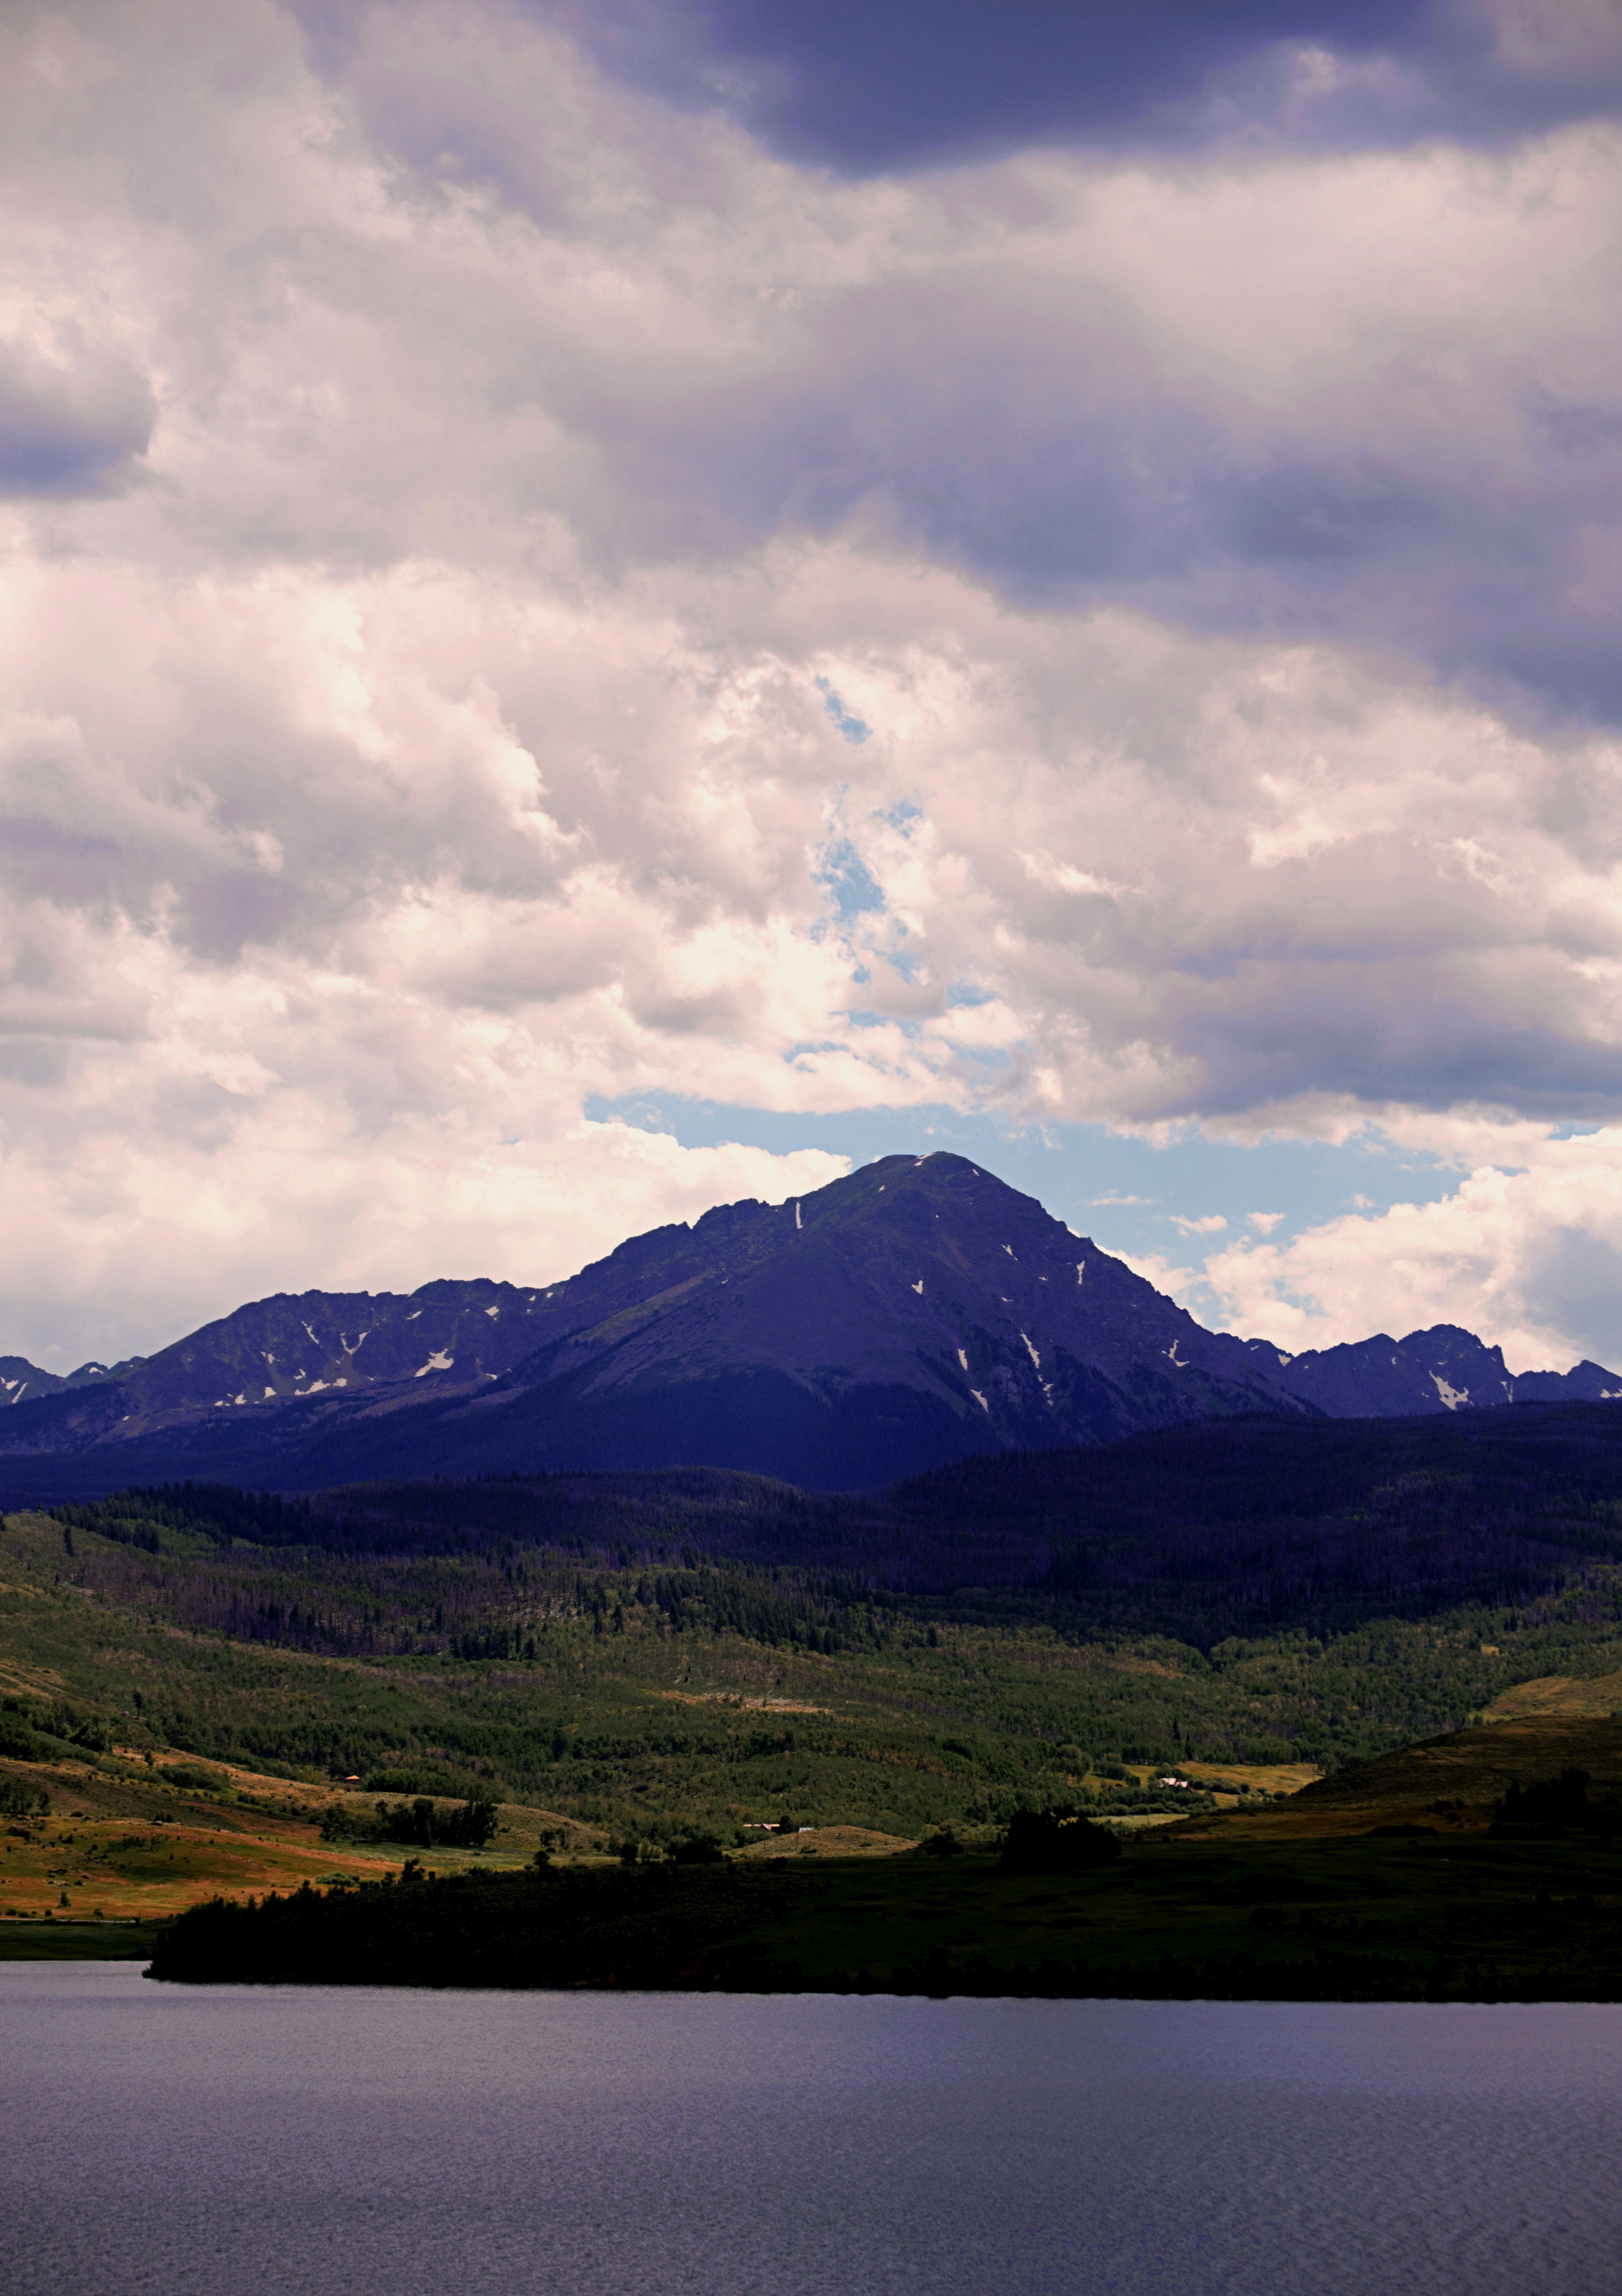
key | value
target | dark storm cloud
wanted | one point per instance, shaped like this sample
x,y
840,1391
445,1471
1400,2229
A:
x,y
869,86
1414,1043
1079,435
67,429
1072,473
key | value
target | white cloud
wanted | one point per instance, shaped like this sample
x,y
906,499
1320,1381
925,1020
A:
x,y
1530,1259
1212,1224
473,477
121,1248
1265,1221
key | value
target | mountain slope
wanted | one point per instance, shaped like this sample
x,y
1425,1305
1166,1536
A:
x,y
919,1287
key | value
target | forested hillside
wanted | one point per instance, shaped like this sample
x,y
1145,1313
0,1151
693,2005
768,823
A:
x,y
652,1653
1202,1531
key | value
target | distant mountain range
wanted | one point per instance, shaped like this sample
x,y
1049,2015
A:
x,y
1443,1369
916,1312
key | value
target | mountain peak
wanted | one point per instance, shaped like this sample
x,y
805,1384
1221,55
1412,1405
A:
x,y
914,1311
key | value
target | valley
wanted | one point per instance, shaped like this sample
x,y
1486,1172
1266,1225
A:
x,y
645,1656
1304,1809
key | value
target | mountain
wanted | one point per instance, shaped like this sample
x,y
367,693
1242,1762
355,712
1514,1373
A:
x,y
21,1381
916,1312
1443,1369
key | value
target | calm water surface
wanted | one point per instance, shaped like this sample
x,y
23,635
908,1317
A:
x,y
386,2143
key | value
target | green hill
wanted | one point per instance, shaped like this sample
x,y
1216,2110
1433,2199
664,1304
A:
x,y
638,1687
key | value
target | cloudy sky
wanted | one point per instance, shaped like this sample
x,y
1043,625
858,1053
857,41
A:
x,y
610,607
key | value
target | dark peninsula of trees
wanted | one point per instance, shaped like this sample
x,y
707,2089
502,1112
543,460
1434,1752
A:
x,y
1411,1912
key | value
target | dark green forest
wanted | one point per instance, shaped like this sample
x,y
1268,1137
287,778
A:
x,y
1204,1531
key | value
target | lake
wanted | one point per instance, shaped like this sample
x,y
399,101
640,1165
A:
x,y
164,2139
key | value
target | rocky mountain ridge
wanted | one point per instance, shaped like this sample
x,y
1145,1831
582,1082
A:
x,y
291,1348
22,1381
1443,1369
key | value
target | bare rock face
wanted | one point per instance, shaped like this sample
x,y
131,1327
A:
x,y
284,1350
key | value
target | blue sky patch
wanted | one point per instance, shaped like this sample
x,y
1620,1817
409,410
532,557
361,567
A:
x,y
852,887
850,724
